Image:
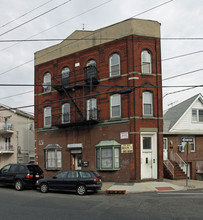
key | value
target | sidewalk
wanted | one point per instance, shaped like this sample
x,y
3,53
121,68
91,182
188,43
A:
x,y
152,186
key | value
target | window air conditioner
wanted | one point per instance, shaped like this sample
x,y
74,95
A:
x,y
180,148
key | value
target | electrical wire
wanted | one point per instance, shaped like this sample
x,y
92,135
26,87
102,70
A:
x,y
25,14
20,25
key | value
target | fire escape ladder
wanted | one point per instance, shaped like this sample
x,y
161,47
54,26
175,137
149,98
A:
x,y
76,107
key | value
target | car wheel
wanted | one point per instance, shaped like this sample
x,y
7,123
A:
x,y
81,190
18,185
44,188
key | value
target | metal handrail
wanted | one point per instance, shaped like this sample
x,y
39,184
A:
x,y
169,166
175,157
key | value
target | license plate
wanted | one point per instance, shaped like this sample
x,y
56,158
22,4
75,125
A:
x,y
37,176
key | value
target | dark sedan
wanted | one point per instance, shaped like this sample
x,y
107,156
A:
x,y
78,180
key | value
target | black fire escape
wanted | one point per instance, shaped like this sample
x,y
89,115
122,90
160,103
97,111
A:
x,y
66,85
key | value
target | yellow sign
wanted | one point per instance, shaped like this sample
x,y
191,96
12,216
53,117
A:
x,y
189,148
126,148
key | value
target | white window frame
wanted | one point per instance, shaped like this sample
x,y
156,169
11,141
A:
x,y
147,101
53,159
47,115
117,72
47,82
146,62
197,117
115,101
92,108
65,106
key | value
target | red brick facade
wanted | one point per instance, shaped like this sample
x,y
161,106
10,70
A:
x,y
132,121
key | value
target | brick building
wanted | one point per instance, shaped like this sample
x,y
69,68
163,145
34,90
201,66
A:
x,y
98,102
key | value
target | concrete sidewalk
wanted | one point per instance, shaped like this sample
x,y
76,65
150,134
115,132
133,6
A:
x,y
152,186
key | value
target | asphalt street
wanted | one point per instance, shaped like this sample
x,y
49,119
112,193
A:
x,y
31,204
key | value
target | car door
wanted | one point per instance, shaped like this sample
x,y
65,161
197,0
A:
x,y
57,181
3,173
71,180
11,174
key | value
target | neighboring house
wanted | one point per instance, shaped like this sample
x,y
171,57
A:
x,y
100,103
181,123
16,136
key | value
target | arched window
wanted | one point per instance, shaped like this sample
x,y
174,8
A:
x,y
147,103
47,117
47,82
66,113
65,76
146,57
114,65
91,63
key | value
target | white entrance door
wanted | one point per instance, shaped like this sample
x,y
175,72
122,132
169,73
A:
x,y
165,149
78,162
148,156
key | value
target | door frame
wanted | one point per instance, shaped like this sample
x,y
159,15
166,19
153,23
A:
x,y
153,152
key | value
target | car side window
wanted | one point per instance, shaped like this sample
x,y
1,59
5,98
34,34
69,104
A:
x,y
22,169
61,175
72,174
85,175
14,169
5,169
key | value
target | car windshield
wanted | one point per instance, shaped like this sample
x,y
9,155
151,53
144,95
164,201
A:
x,y
35,169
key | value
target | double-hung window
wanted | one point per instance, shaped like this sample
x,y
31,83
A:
x,y
65,76
108,156
146,59
53,157
47,82
147,103
114,65
47,117
66,113
115,103
197,115
92,109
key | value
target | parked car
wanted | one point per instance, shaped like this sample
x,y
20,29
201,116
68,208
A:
x,y
20,175
78,180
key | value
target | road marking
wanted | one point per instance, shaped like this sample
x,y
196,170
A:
x,y
173,193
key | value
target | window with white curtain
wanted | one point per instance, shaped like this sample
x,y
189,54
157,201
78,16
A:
x,y
47,117
115,103
147,103
146,59
47,82
53,159
108,158
114,65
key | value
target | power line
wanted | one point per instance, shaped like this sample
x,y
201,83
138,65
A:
x,y
25,14
78,39
16,94
61,23
35,17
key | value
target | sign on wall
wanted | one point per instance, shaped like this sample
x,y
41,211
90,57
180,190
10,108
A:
x,y
124,135
126,148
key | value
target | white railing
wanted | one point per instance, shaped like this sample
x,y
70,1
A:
x,y
6,148
175,157
169,166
